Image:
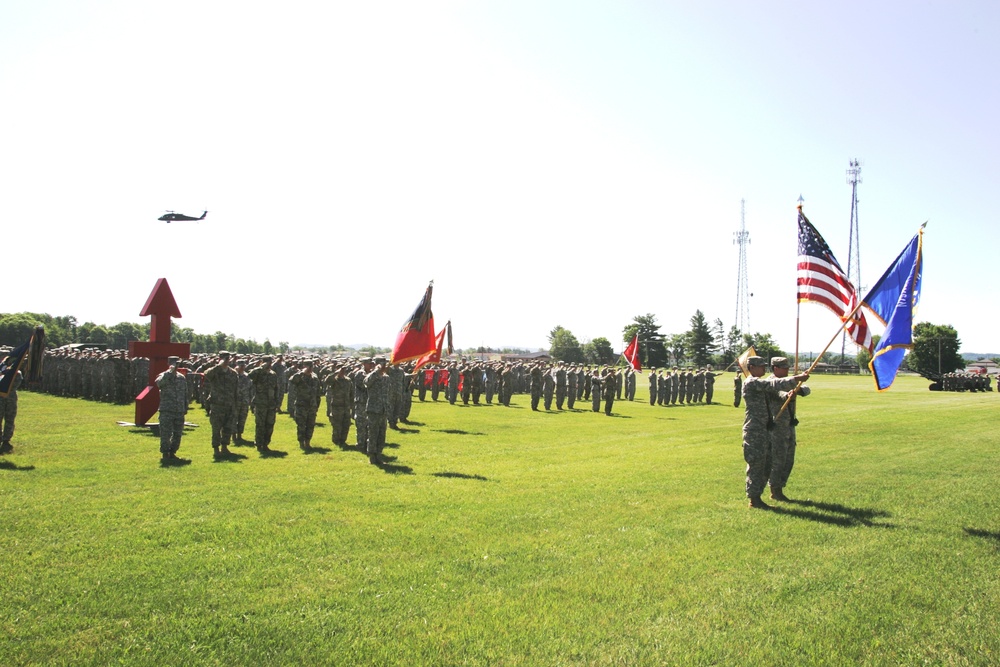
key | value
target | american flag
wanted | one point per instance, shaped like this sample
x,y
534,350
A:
x,y
821,280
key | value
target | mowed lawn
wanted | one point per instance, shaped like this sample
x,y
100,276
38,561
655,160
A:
x,y
501,536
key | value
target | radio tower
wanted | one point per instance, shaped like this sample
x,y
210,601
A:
x,y
742,239
854,244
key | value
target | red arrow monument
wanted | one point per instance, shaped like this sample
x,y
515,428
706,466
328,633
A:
x,y
160,307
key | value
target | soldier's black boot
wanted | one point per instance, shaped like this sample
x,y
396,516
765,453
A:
x,y
758,504
776,494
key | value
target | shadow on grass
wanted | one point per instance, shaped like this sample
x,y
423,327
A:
x,y
387,466
231,457
411,423
273,454
406,430
456,431
459,475
10,465
987,534
316,450
835,514
175,463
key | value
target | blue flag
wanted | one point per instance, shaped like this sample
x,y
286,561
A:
x,y
893,300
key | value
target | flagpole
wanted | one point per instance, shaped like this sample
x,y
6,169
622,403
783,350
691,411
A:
x,y
792,393
798,308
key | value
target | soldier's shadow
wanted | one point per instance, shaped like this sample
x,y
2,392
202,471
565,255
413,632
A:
x,y
273,454
231,457
991,535
317,450
10,465
836,514
394,469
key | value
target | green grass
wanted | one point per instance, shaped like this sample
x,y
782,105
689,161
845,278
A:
x,y
506,537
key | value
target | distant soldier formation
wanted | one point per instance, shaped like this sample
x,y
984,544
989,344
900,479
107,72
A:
x,y
673,386
965,382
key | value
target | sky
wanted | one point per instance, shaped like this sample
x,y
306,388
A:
x,y
546,164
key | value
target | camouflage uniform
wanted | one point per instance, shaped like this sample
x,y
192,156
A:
x,y
761,398
244,392
339,400
223,386
266,399
783,437
173,407
377,408
307,398
559,375
8,413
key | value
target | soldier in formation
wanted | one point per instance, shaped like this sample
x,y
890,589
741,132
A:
x,y
174,401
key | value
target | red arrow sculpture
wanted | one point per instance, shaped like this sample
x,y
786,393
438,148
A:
x,y
160,307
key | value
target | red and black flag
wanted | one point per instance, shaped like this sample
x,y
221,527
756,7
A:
x,y
434,356
416,338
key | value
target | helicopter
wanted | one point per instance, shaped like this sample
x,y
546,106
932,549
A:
x,y
170,216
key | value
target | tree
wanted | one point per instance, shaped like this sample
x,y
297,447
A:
x,y
935,350
563,346
700,341
864,356
652,352
677,344
599,351
15,329
763,344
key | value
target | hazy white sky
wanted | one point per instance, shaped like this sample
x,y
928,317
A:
x,y
545,163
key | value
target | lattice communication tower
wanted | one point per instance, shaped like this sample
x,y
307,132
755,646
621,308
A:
x,y
853,241
742,239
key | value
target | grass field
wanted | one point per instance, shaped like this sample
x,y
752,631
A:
x,y
499,536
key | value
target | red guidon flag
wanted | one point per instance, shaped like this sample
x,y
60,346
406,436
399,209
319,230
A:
x,y
434,356
416,338
631,354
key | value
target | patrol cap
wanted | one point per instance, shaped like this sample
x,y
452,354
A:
x,y
224,354
380,360
267,359
756,361
173,360
779,362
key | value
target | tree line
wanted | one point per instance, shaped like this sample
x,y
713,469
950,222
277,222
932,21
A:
x,y
935,347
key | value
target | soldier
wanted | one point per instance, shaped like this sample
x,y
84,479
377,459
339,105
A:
x,y
361,401
8,413
571,379
548,388
266,399
761,398
377,406
610,389
536,385
596,385
454,377
339,399
222,385
244,391
675,386
664,384
281,371
173,407
307,399
562,385
783,434
710,384
630,384
397,377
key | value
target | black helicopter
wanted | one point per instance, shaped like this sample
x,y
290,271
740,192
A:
x,y
170,216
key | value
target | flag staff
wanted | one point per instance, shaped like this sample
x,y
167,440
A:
x,y
798,306
843,324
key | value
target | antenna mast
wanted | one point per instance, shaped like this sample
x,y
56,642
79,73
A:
x,y
742,239
854,244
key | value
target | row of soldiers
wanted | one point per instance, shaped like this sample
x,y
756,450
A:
x,y
966,382
673,386
558,383
96,375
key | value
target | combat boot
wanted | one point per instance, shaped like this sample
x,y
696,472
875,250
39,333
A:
x,y
758,504
776,494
